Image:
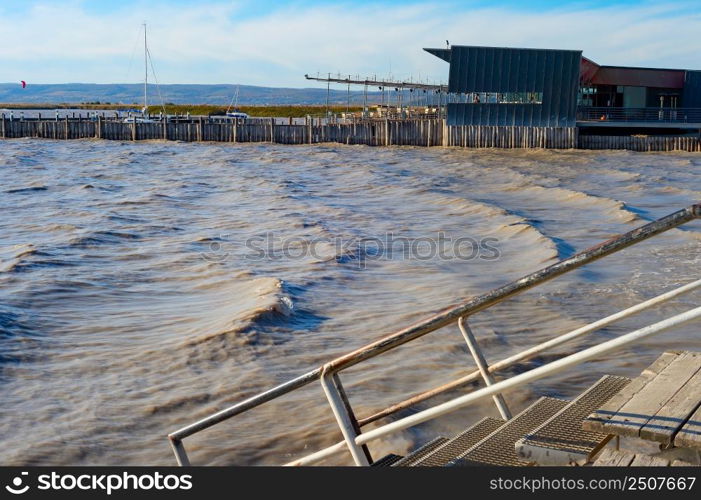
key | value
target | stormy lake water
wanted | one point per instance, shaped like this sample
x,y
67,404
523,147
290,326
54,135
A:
x,y
146,285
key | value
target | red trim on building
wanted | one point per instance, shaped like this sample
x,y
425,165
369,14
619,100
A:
x,y
592,73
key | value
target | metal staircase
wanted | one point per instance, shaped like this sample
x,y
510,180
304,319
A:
x,y
461,443
499,447
548,432
561,440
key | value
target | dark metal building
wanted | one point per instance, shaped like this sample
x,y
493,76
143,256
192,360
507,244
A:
x,y
556,88
512,86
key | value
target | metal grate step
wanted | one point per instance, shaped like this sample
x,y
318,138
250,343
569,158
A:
x,y
418,454
498,447
387,460
560,440
460,443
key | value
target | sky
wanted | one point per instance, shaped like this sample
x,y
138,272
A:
x,y
275,43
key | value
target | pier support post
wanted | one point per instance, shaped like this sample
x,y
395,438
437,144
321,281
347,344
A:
x,y
3,125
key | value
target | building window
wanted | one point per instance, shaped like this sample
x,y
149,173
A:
x,y
496,97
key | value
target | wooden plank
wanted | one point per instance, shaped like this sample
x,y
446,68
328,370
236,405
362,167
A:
x,y
682,463
595,422
641,460
689,436
637,412
674,414
614,458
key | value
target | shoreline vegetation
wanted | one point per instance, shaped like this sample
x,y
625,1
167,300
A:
x,y
197,109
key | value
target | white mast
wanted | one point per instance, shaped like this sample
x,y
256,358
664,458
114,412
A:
x,y
146,71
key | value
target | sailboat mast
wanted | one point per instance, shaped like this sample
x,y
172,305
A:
x,y
145,70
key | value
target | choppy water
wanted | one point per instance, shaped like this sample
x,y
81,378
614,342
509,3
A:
x,y
130,304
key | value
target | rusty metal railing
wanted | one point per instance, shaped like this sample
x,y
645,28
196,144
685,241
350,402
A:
x,y
328,373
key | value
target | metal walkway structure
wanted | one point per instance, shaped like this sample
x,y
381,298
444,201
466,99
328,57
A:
x,y
375,82
535,428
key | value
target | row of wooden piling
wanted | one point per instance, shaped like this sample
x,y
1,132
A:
x,y
473,136
415,132
640,143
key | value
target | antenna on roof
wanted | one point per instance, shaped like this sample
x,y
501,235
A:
x,y
447,43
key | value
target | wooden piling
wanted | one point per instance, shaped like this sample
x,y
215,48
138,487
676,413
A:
x,y
385,132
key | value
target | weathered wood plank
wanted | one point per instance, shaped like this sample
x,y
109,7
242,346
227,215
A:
x,y
673,415
641,460
595,422
682,463
614,458
637,412
689,436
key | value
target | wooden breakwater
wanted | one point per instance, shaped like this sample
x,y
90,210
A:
x,y
400,132
473,136
640,143
372,133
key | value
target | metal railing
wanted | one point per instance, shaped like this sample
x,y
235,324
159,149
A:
x,y
328,374
664,115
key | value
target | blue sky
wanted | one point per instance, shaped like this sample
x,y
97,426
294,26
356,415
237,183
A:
x,y
274,43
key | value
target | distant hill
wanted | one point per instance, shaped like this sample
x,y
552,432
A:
x,y
119,93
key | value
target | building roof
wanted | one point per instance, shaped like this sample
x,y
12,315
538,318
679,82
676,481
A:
x,y
593,73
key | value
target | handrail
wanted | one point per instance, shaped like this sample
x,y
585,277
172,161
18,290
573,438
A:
x,y
506,363
489,299
529,376
652,115
528,353
443,318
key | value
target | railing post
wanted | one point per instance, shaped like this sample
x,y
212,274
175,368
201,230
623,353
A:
x,y
483,367
344,419
351,414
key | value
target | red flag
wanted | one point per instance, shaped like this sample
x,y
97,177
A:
x,y
24,84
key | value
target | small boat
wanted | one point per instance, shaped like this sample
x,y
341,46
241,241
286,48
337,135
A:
x,y
239,115
236,113
139,119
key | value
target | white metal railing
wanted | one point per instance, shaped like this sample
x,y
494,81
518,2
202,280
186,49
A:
x,y
529,376
328,374
497,388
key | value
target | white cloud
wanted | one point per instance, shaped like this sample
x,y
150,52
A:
x,y
207,43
